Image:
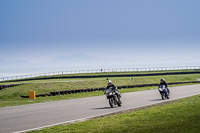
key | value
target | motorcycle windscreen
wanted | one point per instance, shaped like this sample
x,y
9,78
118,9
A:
x,y
108,90
161,89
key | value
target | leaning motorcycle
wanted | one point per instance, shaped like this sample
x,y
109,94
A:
x,y
112,97
163,92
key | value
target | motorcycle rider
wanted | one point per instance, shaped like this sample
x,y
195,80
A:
x,y
114,88
163,82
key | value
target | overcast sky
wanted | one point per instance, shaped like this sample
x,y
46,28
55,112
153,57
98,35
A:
x,y
40,30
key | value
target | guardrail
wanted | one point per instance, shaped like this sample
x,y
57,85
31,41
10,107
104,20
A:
x,y
100,71
107,76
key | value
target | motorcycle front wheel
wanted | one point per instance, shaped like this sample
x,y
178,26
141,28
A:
x,y
111,102
163,96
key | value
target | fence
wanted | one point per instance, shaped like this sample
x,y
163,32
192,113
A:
x,y
100,71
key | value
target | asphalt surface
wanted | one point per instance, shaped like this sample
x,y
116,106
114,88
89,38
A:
x,y
36,116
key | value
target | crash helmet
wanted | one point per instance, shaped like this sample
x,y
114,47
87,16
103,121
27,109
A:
x,y
109,82
162,79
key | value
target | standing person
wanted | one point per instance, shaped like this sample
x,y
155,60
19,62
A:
x,y
163,82
114,88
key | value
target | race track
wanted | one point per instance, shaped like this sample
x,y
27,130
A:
x,y
35,116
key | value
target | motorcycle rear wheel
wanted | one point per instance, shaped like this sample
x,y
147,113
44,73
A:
x,y
119,102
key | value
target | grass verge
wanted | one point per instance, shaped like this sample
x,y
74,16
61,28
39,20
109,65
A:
x,y
180,116
15,100
10,96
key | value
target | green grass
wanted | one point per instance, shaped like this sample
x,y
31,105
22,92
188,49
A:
x,y
181,116
14,100
10,96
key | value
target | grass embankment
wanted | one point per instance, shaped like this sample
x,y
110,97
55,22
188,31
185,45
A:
x,y
181,116
10,96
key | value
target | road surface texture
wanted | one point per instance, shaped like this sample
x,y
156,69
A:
x,y
36,116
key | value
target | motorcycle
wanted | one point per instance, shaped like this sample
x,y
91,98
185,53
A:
x,y
112,97
163,92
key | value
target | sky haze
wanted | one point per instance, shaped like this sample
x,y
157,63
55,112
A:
x,y
38,31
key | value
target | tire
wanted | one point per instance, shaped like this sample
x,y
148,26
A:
x,y
168,91
119,102
168,96
163,96
111,102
